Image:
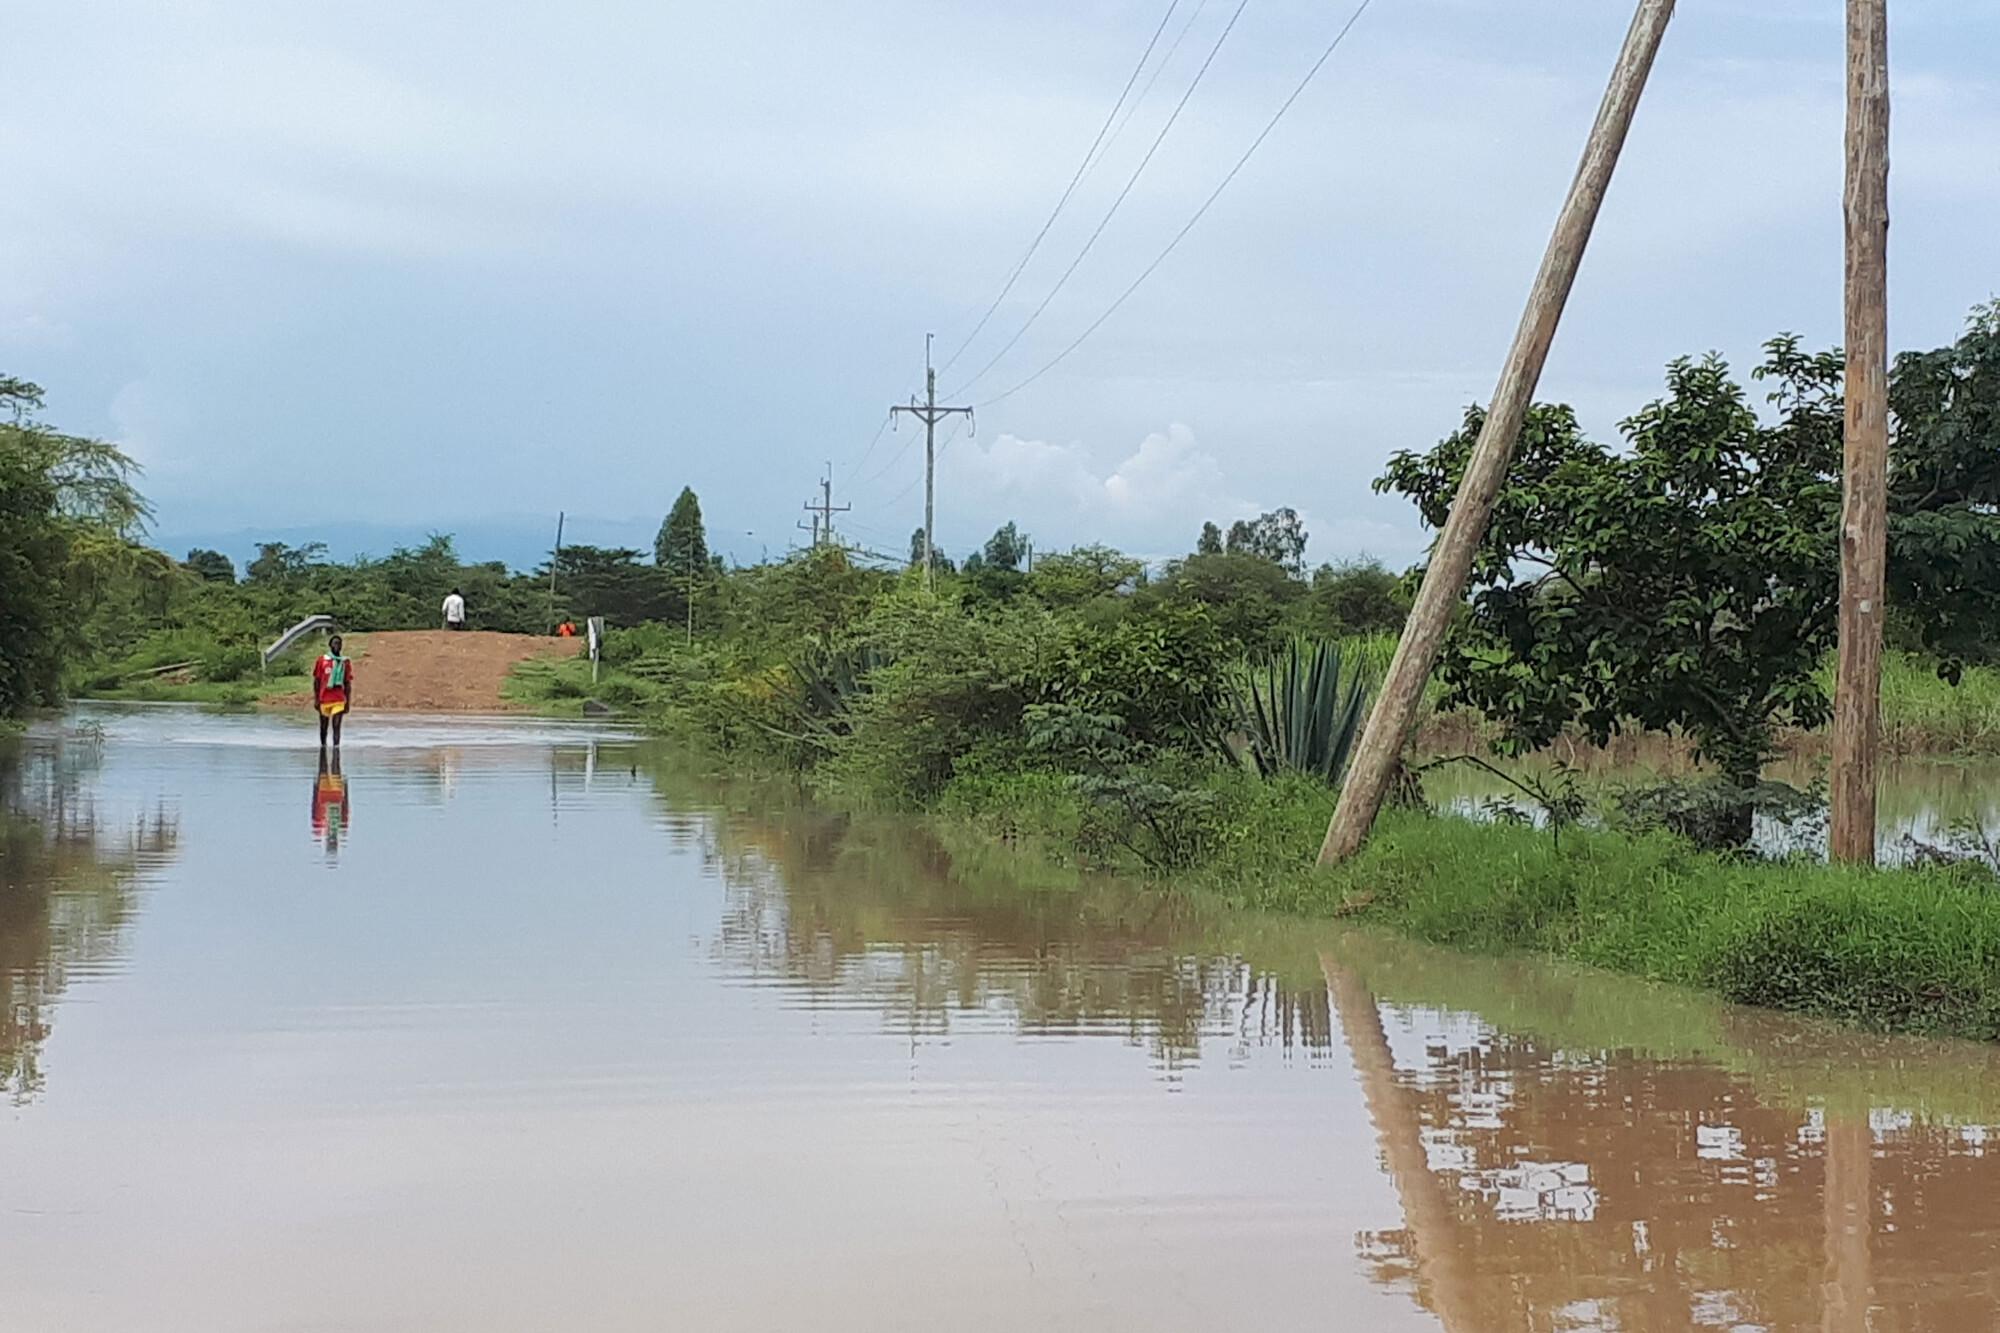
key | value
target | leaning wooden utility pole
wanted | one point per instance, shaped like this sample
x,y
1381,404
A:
x,y
1381,748
930,414
1864,521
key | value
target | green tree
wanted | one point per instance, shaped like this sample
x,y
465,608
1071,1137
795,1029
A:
x,y
614,583
1246,597
682,547
70,519
1278,537
1686,582
1071,579
210,566
940,562
276,561
1944,493
1355,597
1006,548
1210,541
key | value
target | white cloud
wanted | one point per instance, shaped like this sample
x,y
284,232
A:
x,y
1168,482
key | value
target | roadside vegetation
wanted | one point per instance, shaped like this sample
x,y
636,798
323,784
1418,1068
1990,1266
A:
x,y
1190,720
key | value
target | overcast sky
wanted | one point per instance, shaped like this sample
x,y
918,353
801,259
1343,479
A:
x,y
397,266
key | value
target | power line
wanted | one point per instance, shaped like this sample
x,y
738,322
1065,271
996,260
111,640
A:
x,y
1215,194
915,482
1081,167
1159,138
873,440
1153,78
887,467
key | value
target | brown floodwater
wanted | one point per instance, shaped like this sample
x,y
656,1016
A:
x,y
505,1027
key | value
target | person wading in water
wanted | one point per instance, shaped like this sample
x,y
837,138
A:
x,y
333,689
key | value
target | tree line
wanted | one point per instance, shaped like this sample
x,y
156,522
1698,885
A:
x,y
1679,579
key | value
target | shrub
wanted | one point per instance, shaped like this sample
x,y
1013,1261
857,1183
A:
x,y
1161,669
230,662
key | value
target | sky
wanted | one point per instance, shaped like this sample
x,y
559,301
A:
x,y
368,270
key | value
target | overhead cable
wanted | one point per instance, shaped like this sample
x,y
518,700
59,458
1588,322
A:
x,y
1111,212
1089,156
1215,194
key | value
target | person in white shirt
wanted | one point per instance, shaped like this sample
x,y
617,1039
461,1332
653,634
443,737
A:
x,y
454,611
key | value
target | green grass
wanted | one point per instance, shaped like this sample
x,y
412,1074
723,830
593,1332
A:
x,y
1890,950
1922,712
1902,950
557,687
222,673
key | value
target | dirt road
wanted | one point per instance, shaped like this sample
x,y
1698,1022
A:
x,y
436,671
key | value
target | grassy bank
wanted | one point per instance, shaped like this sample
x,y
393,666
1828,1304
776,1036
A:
x,y
187,666
1913,950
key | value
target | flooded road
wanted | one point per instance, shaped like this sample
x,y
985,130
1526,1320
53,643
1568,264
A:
x,y
503,1027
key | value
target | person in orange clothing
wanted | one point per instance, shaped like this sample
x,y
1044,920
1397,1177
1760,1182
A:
x,y
333,689
331,807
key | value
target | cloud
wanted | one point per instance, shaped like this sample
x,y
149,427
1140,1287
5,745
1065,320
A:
x,y
580,264
1168,482
1151,499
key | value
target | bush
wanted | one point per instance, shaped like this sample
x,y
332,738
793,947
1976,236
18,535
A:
x,y
1161,669
231,662
954,681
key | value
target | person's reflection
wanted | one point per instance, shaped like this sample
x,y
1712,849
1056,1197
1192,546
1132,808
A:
x,y
331,805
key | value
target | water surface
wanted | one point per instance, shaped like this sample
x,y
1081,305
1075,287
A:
x,y
505,1027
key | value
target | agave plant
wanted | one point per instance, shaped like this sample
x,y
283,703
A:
x,y
830,680
1297,712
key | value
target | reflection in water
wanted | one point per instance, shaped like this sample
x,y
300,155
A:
x,y
1545,1186
1925,803
1626,1158
878,916
332,806
622,1039
66,892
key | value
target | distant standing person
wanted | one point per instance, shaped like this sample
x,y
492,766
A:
x,y
333,689
454,611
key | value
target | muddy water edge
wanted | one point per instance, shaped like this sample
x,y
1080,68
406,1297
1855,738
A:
x,y
501,1025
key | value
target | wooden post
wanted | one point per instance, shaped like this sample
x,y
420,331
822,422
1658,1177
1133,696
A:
x,y
1395,710
1864,522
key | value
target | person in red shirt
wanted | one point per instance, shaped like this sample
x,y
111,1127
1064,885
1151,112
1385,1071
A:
x,y
333,689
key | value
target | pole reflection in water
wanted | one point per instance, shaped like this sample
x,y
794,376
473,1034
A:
x,y
1790,1176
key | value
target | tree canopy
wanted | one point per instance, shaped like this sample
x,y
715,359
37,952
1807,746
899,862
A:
x,y
1277,536
210,566
1685,582
682,545
70,520
1944,494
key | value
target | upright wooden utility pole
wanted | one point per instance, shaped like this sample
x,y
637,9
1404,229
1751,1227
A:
x,y
554,556
1864,521
1381,748
930,414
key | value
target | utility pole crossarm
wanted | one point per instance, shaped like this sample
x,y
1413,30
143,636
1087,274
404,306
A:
x,y
824,510
930,413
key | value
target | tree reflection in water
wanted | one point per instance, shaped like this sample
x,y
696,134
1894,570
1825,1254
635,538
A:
x,y
66,891
1552,1186
1568,1150
877,913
